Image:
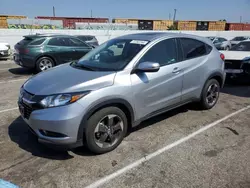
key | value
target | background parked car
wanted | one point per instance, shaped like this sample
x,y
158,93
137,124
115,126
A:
x,y
221,43
45,51
237,62
89,39
237,40
4,50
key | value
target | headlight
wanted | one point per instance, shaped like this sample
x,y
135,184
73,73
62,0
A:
x,y
61,99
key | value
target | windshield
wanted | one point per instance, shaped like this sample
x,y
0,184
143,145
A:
x,y
211,38
243,46
113,55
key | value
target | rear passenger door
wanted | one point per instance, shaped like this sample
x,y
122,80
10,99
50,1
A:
x,y
194,66
59,50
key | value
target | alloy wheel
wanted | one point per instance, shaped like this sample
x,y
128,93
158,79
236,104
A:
x,y
212,94
108,131
45,64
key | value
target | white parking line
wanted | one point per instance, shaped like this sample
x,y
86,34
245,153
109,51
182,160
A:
x,y
10,109
8,81
106,179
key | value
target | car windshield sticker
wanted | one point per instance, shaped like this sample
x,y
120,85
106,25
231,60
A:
x,y
142,42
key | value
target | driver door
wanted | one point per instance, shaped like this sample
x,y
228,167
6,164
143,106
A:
x,y
156,91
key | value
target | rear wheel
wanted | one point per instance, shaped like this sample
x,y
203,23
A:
x,y
105,130
210,94
44,63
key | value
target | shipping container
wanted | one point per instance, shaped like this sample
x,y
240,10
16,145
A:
x,y
217,26
12,17
246,27
145,24
125,21
187,25
70,22
162,24
234,26
202,26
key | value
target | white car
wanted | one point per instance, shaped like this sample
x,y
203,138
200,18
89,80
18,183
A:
x,y
237,40
221,43
4,50
237,61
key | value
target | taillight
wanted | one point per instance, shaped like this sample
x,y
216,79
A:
x,y
24,50
222,56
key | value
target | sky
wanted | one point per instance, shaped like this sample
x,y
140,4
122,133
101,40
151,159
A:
x,y
231,10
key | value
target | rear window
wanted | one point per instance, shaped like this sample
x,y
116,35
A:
x,y
37,42
25,41
193,48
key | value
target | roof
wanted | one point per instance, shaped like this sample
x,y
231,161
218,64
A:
x,y
45,35
151,36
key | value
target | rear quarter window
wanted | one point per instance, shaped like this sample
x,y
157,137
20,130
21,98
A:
x,y
37,42
193,48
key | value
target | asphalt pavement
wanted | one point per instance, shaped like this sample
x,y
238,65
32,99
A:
x,y
185,147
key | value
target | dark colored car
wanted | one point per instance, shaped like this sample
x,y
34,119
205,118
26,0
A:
x,y
89,39
42,52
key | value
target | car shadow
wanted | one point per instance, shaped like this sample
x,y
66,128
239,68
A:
x,y
19,133
21,71
161,117
240,90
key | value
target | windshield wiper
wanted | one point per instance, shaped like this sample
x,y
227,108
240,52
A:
x,y
81,66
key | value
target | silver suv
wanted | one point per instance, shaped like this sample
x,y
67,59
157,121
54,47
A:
x,y
119,84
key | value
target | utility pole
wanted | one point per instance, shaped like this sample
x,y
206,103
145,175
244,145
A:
x,y
91,13
240,19
54,11
169,16
174,14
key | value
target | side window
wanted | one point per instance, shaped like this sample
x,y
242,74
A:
x,y
37,42
222,40
76,43
193,48
56,42
163,53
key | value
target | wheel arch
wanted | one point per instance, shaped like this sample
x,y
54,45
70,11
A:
x,y
124,105
46,55
217,76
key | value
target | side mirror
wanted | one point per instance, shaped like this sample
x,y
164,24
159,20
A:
x,y
120,46
148,67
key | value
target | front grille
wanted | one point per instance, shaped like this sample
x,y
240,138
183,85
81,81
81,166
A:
x,y
26,110
233,64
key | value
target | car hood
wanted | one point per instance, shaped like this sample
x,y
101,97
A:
x,y
67,79
235,55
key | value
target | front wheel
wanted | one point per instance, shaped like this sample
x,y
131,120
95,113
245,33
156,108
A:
x,y
106,129
210,94
44,63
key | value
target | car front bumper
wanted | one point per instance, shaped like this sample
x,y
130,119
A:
x,y
57,127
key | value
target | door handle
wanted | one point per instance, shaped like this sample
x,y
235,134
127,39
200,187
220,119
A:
x,y
176,70
74,50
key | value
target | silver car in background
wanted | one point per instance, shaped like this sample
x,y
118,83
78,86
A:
x,y
119,84
221,43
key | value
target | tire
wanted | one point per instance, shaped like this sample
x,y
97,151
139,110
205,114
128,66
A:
x,y
45,62
204,102
92,135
